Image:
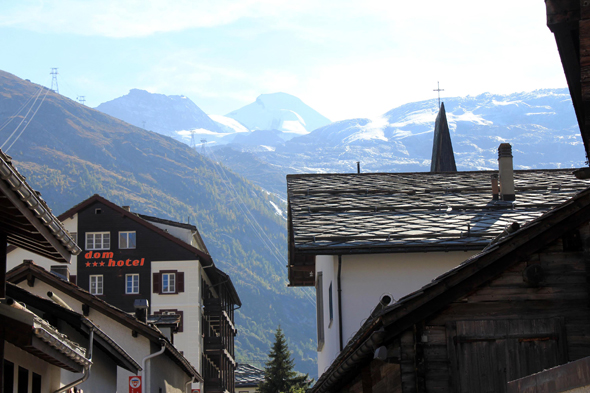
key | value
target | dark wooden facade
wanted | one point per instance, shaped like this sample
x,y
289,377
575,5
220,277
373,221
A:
x,y
151,246
512,311
218,295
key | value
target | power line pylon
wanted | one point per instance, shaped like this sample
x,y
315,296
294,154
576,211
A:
x,y
54,80
203,144
81,99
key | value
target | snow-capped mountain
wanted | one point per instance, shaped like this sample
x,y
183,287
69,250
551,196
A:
x,y
174,116
541,126
279,111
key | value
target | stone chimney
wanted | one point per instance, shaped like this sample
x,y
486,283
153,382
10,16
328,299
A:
x,y
141,309
495,187
506,172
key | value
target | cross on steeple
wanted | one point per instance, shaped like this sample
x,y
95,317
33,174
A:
x,y
438,90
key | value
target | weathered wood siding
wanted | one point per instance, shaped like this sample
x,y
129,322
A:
x,y
502,331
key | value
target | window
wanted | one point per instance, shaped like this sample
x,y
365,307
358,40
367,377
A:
x,y
98,240
8,376
168,282
36,382
127,239
132,283
96,284
330,305
319,293
23,380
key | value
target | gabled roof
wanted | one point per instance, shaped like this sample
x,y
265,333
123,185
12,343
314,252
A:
x,y
30,272
247,375
334,214
27,220
78,322
204,257
190,227
443,158
216,274
35,335
455,284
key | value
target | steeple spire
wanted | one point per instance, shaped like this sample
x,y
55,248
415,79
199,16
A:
x,y
443,158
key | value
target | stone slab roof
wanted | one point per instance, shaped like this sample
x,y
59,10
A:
x,y
248,376
348,213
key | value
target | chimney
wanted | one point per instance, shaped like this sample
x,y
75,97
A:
x,y
61,271
128,208
495,187
506,172
141,309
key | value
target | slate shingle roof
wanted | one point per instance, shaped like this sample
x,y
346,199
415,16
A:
x,y
332,214
248,376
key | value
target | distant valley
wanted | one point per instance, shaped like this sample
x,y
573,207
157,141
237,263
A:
x,y
69,152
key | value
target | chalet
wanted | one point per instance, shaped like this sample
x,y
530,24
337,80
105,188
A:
x,y
26,221
163,367
80,354
137,262
512,310
374,237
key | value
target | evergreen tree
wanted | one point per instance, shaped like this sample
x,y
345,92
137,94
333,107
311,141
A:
x,y
279,376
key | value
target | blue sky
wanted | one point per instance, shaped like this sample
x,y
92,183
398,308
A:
x,y
344,58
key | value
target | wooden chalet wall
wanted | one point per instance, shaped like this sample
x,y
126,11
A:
x,y
150,246
502,331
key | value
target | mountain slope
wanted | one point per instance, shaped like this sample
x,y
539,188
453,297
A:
x,y
279,111
69,152
160,113
541,126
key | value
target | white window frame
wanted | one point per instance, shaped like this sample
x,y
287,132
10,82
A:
x,y
98,281
171,287
134,284
91,245
125,235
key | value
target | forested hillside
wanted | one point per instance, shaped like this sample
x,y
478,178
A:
x,y
69,152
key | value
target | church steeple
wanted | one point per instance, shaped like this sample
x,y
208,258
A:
x,y
443,158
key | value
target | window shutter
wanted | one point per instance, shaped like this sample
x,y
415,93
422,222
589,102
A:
x,y
180,282
157,283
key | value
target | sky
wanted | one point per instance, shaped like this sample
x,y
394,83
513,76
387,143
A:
x,y
344,58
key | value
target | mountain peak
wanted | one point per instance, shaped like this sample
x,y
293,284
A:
x,y
158,112
280,111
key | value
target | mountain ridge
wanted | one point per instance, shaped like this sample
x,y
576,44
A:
x,y
70,152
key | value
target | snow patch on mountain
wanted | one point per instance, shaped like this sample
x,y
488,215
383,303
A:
x,y
228,124
279,111
374,130
468,117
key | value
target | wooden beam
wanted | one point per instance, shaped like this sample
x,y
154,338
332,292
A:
x,y
562,11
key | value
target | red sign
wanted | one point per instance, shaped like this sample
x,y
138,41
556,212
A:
x,y
195,390
134,384
108,261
